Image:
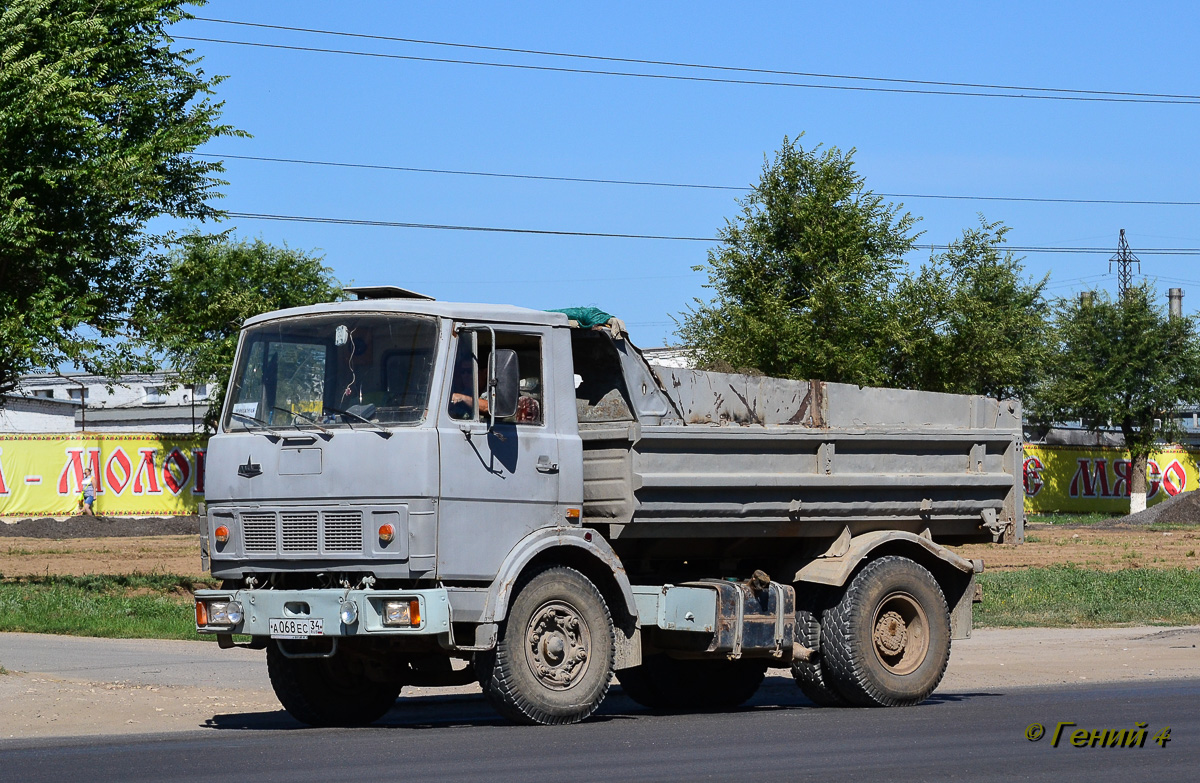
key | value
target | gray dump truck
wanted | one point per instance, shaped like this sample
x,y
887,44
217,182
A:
x,y
410,492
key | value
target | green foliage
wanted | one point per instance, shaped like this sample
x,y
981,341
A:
x,y
810,282
803,274
1122,363
98,117
968,322
209,287
1073,597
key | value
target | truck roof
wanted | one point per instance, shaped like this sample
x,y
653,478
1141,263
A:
x,y
462,311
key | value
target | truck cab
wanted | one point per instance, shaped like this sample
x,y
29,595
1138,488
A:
x,y
343,419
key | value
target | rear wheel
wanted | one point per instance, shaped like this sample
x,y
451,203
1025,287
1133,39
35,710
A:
x,y
664,683
328,691
811,675
554,656
886,642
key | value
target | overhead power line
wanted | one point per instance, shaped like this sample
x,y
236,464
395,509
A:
x,y
1186,100
446,227
593,180
413,169
703,66
1170,251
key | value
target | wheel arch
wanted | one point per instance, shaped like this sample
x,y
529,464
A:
x,y
954,574
584,550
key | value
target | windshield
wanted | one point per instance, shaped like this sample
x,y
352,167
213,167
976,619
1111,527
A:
x,y
346,370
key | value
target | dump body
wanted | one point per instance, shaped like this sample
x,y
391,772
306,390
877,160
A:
x,y
754,455
681,464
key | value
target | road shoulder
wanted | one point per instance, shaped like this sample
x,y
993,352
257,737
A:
x,y
79,687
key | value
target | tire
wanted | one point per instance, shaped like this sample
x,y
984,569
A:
x,y
812,676
327,691
886,642
554,655
669,684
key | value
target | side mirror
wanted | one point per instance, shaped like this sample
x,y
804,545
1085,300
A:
x,y
505,381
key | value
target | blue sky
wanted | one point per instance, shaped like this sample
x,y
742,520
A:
x,y
340,108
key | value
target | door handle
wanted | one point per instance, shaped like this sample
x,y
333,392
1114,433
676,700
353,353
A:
x,y
544,465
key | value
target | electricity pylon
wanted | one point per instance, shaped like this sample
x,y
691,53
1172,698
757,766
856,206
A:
x,y
1124,260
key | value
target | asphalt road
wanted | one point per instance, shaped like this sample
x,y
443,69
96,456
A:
x,y
134,661
976,736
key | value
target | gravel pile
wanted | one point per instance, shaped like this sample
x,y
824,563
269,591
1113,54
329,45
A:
x,y
1183,509
98,527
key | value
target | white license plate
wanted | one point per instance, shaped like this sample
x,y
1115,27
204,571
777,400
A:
x,y
293,628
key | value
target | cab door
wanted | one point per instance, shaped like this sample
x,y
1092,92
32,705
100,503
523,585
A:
x,y
499,482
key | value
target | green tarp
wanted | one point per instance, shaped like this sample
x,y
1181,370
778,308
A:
x,y
587,317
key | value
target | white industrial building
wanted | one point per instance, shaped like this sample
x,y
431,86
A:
x,y
74,402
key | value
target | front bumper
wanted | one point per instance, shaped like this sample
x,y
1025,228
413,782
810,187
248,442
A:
x,y
259,606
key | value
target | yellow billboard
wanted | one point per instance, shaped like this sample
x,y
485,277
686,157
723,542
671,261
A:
x,y
1085,478
139,474
135,474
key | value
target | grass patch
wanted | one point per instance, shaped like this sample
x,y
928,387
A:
x,y
1090,518
159,606
137,606
1070,596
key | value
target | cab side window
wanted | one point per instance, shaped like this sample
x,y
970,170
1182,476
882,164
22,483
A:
x,y
529,367
468,388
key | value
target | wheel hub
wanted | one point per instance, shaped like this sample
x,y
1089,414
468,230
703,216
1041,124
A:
x,y
891,633
900,633
557,642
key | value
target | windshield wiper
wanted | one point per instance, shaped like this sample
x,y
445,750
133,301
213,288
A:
x,y
384,432
258,421
304,416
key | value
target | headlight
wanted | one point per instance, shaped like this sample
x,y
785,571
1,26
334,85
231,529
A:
x,y
349,613
404,611
224,613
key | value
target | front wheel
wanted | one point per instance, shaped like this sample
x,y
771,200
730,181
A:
x,y
328,691
886,642
554,656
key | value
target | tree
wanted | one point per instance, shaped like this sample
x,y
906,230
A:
x,y
810,283
803,275
969,322
209,287
98,117
1122,363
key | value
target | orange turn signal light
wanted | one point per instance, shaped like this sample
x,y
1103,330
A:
x,y
387,533
201,614
573,513
221,534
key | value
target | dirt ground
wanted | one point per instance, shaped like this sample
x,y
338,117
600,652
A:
x,y
1087,546
98,527
1105,548
79,556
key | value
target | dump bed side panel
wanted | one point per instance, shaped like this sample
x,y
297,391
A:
x,y
756,456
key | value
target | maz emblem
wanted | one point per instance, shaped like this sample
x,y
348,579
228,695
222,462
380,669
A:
x,y
250,469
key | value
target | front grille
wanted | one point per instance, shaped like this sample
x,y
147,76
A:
x,y
343,531
299,531
258,531
302,532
